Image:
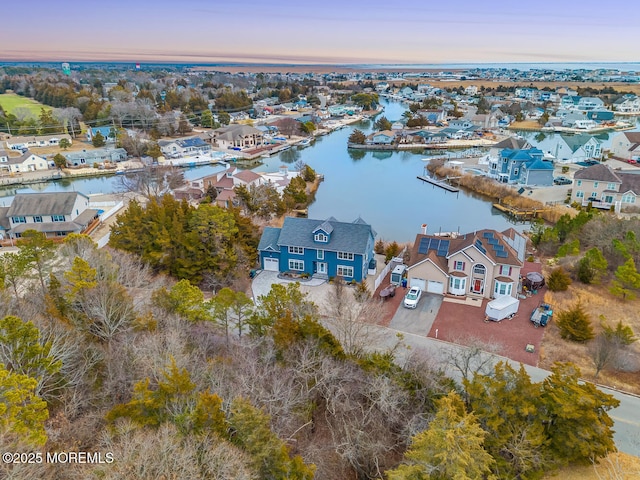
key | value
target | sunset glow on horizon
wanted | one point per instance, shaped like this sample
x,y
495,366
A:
x,y
333,32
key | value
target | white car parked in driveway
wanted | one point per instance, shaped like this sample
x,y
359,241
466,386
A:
x,y
412,297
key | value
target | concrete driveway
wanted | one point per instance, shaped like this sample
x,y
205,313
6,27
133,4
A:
x,y
419,320
317,289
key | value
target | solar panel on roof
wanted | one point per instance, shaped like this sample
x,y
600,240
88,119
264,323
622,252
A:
x,y
479,246
487,234
423,246
492,241
498,248
502,254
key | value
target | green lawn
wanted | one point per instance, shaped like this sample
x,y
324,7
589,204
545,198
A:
x,y
11,101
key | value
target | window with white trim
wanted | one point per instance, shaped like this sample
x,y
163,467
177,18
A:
x,y
594,195
297,265
37,219
321,237
458,265
457,283
320,255
345,256
579,194
611,186
19,219
595,184
628,198
579,183
296,250
502,288
345,271
57,218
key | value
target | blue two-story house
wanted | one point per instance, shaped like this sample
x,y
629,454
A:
x,y
526,167
322,248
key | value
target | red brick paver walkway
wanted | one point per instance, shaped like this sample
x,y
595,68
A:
x,y
465,324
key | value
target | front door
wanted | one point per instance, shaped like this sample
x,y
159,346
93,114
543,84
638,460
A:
x,y
477,285
322,268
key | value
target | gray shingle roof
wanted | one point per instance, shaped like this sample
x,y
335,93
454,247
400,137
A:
x,y
599,173
346,237
269,238
59,203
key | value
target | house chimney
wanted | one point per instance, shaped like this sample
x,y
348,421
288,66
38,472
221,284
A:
x,y
424,228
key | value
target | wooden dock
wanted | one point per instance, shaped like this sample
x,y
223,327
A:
x,y
438,183
517,213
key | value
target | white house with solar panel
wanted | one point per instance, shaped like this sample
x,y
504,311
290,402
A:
x,y
485,264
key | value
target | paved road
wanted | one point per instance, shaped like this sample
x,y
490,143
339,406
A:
x,y
412,325
626,417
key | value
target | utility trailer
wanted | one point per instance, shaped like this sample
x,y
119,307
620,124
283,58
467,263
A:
x,y
501,308
541,315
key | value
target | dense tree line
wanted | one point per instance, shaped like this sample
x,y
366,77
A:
x,y
206,245
101,354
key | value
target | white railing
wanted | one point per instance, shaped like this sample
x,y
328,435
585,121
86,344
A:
x,y
108,213
104,240
383,274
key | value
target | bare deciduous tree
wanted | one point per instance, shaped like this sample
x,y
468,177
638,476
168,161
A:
x,y
475,357
152,182
353,323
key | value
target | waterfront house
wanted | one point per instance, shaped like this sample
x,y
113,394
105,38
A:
x,y
569,102
384,137
434,116
107,133
576,148
225,182
321,248
604,188
586,104
626,146
97,155
184,146
627,104
600,115
55,214
27,162
237,136
485,264
519,166
21,143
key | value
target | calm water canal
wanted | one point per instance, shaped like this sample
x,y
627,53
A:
x,y
381,187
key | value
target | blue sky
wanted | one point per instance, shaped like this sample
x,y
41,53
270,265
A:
x,y
330,31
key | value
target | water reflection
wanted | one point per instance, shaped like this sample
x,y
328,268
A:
x,y
355,154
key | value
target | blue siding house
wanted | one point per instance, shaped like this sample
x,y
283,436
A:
x,y
521,166
322,248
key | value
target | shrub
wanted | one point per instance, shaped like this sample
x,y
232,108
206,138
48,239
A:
x,y
622,334
391,250
379,247
559,280
574,324
565,169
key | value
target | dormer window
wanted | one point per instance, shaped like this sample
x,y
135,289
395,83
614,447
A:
x,y
321,237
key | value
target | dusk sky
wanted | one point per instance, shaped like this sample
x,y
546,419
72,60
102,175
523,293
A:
x,y
327,31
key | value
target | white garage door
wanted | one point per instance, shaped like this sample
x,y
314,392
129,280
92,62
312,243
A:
x,y
271,264
435,287
421,283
